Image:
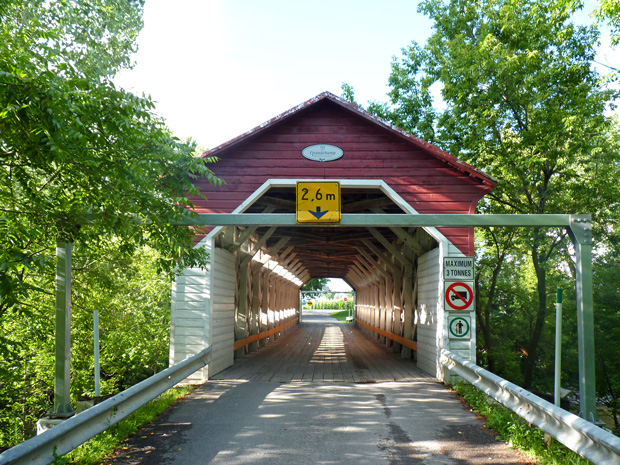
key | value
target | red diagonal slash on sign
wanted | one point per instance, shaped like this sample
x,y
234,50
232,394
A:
x,y
459,296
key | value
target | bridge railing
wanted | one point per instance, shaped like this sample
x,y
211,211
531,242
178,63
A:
x,y
66,436
579,435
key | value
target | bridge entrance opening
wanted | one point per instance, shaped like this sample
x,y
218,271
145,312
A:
x,y
407,216
258,271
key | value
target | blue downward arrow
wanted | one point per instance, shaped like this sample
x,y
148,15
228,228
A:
x,y
318,213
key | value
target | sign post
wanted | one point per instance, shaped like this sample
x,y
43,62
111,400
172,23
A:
x,y
558,349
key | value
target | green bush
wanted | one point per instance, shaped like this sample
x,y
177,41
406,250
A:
x,y
133,299
94,450
331,304
511,429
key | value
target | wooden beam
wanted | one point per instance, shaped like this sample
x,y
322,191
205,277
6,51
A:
x,y
373,262
255,337
276,248
242,307
364,271
409,344
255,303
409,240
245,235
258,246
367,204
277,202
393,268
398,308
285,253
389,246
409,303
305,277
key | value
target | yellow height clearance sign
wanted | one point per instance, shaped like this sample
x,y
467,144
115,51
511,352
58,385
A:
x,y
318,202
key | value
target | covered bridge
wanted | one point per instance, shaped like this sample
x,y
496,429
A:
x,y
250,293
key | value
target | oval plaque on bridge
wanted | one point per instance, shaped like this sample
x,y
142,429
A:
x,y
322,152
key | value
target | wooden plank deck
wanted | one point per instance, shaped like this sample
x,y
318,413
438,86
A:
x,y
322,349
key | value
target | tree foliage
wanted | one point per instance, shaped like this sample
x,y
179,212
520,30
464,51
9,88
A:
x,y
609,12
520,100
525,105
316,284
82,160
74,147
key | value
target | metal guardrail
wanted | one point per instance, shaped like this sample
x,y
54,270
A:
x,y
579,435
78,429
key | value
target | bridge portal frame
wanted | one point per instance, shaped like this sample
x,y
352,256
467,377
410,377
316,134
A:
x,y
579,228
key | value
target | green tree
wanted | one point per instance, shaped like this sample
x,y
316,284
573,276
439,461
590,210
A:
x,y
316,285
492,255
609,11
607,327
348,93
82,160
73,144
522,103
133,300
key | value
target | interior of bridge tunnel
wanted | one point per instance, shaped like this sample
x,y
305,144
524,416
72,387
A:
x,y
337,252
251,291
258,271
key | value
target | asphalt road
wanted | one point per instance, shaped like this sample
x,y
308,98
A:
x,y
235,422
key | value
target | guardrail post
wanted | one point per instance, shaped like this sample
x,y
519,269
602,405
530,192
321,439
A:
x,y
580,232
62,400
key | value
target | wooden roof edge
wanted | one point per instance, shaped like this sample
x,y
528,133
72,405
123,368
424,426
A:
x,y
428,147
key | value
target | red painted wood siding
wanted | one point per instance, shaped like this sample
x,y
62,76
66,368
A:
x,y
427,183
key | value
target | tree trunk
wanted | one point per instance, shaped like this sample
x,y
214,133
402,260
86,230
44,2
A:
x,y
532,351
483,315
612,394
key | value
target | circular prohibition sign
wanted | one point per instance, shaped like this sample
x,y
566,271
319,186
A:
x,y
459,300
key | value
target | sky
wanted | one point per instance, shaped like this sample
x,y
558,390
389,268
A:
x,y
218,68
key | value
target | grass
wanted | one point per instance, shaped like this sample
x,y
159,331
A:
x,y
341,315
95,450
511,429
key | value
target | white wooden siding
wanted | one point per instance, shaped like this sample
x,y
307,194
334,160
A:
x,y
429,311
223,282
189,319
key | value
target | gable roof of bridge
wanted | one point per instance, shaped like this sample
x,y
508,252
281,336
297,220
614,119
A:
x,y
393,129
427,179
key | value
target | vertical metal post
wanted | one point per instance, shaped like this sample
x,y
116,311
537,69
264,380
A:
x,y
558,348
62,400
96,351
581,235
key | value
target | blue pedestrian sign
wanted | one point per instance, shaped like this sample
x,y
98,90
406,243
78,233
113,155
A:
x,y
459,327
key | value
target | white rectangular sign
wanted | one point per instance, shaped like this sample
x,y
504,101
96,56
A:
x,y
458,268
459,327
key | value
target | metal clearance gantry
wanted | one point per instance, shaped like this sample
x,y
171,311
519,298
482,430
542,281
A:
x,y
579,228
